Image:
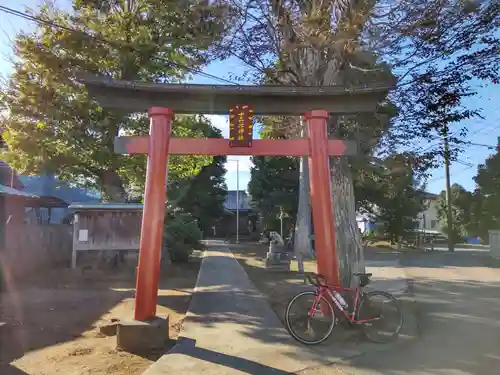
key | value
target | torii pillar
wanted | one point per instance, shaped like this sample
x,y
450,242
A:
x,y
165,99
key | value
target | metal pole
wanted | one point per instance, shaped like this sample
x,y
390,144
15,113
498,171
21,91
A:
x,y
237,201
281,222
449,208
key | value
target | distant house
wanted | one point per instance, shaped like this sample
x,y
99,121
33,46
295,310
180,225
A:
x,y
46,198
248,218
427,220
236,199
8,177
27,245
14,202
52,189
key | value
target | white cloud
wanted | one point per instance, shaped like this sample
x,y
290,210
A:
x,y
244,163
220,122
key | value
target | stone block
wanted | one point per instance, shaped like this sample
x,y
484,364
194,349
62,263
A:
x,y
276,248
278,262
139,337
109,328
279,256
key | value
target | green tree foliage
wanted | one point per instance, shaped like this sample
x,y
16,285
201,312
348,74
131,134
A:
x,y
181,236
273,187
311,42
195,183
204,195
487,196
54,126
394,196
464,207
442,50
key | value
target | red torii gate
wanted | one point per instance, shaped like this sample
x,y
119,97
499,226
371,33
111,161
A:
x,y
269,100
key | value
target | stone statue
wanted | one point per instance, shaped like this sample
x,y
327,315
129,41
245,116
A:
x,y
277,258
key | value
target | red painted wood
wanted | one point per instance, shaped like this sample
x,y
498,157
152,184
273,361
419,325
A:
x,y
216,146
321,199
158,145
153,214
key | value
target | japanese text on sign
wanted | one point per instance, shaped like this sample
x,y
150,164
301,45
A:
x,y
240,125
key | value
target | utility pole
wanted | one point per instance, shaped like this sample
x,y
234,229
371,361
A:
x,y
237,201
281,221
449,211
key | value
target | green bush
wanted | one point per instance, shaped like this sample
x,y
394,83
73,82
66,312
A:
x,y
181,236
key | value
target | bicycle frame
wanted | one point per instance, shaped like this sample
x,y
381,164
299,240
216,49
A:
x,y
327,291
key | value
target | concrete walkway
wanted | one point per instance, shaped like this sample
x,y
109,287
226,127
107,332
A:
x,y
231,329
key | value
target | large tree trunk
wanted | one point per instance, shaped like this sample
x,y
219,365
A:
x,y
112,186
302,243
348,237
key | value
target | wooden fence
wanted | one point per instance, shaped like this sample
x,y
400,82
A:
x,y
34,247
98,229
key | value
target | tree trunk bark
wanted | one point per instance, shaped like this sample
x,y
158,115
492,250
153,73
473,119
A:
x,y
112,186
302,243
348,237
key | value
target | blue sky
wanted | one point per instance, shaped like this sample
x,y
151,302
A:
x,y
481,131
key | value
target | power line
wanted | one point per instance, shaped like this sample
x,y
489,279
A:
x,y
483,129
110,43
490,147
453,174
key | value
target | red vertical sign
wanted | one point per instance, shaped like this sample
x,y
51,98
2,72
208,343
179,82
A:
x,y
240,125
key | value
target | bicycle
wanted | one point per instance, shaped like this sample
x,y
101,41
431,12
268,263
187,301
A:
x,y
327,300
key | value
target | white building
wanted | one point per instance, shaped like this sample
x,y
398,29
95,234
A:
x,y
427,220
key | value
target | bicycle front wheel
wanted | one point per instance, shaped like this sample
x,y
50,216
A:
x,y
308,320
382,316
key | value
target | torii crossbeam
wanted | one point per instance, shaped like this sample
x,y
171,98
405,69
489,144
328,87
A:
x,y
132,97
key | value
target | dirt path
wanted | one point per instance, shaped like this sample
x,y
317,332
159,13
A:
x,y
52,328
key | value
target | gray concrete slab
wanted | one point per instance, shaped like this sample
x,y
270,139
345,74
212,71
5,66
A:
x,y
460,314
389,276
231,329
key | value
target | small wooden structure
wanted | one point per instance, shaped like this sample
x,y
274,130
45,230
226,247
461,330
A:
x,y
105,226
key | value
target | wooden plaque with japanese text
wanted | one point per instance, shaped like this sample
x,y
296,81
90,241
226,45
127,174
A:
x,y
240,125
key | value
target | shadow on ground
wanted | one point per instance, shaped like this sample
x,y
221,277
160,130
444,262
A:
x,y
41,316
188,348
458,317
461,333
439,259
65,304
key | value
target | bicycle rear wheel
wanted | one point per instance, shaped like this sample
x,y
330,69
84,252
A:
x,y
303,325
386,319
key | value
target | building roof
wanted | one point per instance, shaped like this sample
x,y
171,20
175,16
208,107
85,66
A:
x,y
427,195
134,96
6,190
50,186
106,206
244,201
9,177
